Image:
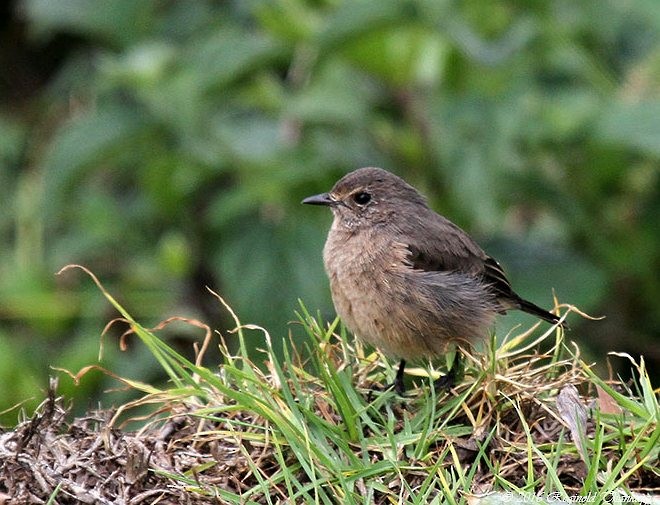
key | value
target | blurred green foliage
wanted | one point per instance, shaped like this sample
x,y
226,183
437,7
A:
x,y
167,145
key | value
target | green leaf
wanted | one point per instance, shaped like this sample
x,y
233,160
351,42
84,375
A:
x,y
118,21
355,18
226,56
86,139
402,54
338,95
635,126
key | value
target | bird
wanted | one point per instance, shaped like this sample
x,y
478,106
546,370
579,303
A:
x,y
404,278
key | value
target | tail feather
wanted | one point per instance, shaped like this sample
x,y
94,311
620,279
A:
x,y
537,311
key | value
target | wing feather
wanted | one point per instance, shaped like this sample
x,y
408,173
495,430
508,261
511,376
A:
x,y
445,247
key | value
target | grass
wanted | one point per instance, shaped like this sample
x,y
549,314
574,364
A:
x,y
308,427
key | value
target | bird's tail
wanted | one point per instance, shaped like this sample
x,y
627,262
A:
x,y
537,311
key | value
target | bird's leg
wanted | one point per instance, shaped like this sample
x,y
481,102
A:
x,y
399,385
452,376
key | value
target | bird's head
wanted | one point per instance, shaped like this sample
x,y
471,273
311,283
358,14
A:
x,y
368,197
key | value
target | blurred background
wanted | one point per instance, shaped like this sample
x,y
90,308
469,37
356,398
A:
x,y
166,145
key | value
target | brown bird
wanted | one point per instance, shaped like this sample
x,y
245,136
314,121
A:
x,y
405,279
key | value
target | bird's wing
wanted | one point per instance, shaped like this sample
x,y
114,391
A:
x,y
445,247
495,276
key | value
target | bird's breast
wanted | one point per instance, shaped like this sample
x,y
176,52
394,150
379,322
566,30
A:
x,y
367,280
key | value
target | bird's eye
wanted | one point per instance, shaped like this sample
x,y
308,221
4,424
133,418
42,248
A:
x,y
362,198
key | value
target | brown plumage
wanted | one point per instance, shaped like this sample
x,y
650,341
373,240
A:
x,y
404,278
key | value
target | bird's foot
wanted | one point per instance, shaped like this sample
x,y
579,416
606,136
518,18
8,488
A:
x,y
452,377
399,390
445,382
398,385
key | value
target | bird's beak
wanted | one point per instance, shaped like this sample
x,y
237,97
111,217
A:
x,y
322,199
